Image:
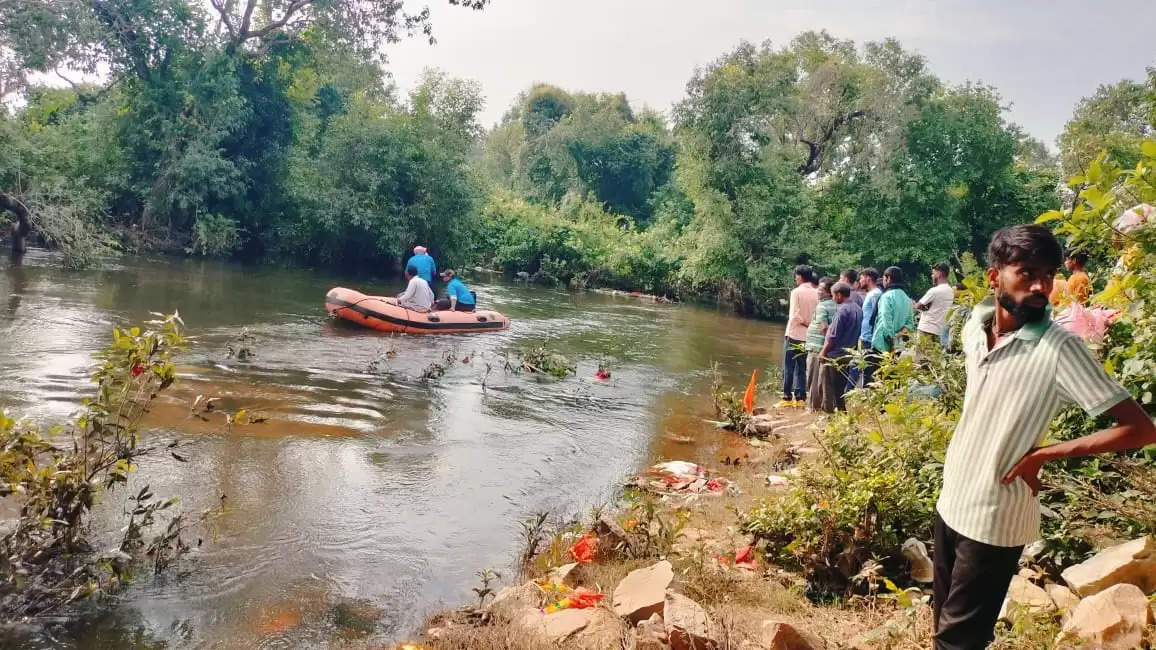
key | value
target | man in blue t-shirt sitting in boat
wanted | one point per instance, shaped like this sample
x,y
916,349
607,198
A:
x,y
458,295
425,265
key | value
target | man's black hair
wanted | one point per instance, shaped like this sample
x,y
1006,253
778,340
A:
x,y
842,289
827,281
895,273
871,272
806,272
1079,255
943,268
1026,243
411,270
852,275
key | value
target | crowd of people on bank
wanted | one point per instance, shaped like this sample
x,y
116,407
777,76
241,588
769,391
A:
x,y
418,296
830,317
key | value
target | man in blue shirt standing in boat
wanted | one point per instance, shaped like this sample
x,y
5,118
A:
x,y
425,265
458,295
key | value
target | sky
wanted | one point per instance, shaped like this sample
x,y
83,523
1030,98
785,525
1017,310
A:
x,y
1042,56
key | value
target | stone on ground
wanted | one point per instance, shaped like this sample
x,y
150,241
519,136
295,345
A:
x,y
567,574
651,634
1033,551
558,626
1023,594
515,598
1132,562
765,425
780,635
604,630
1113,619
611,535
915,551
688,626
1065,600
642,592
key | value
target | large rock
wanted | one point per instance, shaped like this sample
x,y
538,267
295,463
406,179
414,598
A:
x,y
688,626
1022,593
780,635
642,592
1113,619
1132,562
515,598
603,630
558,626
1065,600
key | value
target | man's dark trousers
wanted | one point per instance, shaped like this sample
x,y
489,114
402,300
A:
x,y
971,580
794,370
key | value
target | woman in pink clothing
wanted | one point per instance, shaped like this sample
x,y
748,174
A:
x,y
804,300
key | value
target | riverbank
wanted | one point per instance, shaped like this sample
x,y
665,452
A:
x,y
716,576
671,567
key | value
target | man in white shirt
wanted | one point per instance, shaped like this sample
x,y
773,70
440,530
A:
x,y
935,304
417,295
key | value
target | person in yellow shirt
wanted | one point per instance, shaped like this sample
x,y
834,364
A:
x,y
1079,285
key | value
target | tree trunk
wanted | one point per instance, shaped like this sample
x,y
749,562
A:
x,y
22,227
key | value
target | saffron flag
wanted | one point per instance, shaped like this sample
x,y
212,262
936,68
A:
x,y
749,397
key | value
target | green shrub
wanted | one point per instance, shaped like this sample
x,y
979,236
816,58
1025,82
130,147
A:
x,y
876,484
48,559
215,235
1101,498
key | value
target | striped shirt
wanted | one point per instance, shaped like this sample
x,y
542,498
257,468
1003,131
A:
x,y
1013,392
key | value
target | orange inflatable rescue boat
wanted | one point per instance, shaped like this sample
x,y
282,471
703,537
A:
x,y
384,314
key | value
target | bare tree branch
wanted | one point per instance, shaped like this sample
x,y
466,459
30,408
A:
x,y
223,9
818,148
292,10
125,34
247,19
68,81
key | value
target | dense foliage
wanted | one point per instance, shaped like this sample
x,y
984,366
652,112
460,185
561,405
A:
x,y
268,129
819,150
239,128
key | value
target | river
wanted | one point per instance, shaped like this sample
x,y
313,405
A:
x,y
368,485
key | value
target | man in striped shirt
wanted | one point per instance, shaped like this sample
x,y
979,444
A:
x,y
1020,370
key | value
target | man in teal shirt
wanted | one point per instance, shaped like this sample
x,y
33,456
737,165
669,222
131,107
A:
x,y
425,265
894,313
816,339
458,296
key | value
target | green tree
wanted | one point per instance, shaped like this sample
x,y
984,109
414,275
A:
x,y
1115,119
382,177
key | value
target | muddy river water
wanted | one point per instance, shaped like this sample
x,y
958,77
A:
x,y
366,484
